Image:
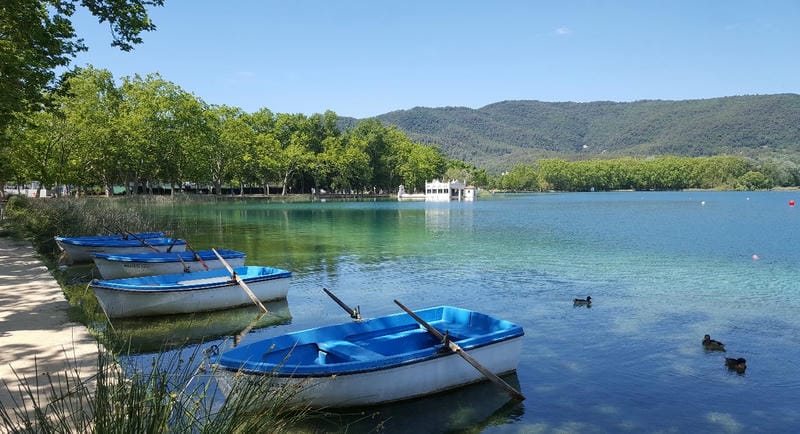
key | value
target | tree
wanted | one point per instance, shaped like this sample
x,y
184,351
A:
x,y
38,37
40,147
416,163
91,107
224,147
265,147
376,141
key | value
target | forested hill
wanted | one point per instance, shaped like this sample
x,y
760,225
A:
x,y
500,135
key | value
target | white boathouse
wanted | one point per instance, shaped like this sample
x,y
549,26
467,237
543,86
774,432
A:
x,y
441,191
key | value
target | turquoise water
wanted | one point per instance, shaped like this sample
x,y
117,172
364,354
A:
x,y
663,269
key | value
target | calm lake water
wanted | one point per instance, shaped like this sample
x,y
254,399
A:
x,y
663,269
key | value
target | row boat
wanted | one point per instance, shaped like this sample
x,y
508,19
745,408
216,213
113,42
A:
x,y
80,250
117,236
198,291
122,265
375,361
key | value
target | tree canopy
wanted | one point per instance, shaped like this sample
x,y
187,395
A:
x,y
37,36
148,131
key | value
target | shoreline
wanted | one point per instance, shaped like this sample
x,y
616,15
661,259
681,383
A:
x,y
41,346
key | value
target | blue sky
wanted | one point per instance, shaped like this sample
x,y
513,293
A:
x,y
363,58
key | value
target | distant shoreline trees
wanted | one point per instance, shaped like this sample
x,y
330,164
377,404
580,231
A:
x,y
655,173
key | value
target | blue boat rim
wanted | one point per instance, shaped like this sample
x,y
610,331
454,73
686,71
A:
x,y
123,243
206,255
129,285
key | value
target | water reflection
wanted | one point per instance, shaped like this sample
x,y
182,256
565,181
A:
x,y
152,334
665,272
472,408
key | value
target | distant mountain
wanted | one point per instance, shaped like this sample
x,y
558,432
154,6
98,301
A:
x,y
500,135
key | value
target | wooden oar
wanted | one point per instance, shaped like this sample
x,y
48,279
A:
x,y
458,350
141,240
240,281
354,313
197,255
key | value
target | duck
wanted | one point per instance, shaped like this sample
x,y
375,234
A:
x,y
738,365
712,345
582,301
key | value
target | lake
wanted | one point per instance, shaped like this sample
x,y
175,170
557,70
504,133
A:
x,y
662,268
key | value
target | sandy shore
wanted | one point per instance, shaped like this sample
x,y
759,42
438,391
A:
x,y
37,340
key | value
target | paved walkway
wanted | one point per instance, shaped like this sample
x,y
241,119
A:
x,y
36,338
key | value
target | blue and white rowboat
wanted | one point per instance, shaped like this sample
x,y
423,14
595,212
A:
x,y
117,236
120,266
79,250
199,291
380,360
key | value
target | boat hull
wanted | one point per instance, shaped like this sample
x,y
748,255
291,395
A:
x,y
199,291
395,384
117,236
80,251
120,266
376,361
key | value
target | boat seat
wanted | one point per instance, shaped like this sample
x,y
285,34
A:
x,y
348,350
221,279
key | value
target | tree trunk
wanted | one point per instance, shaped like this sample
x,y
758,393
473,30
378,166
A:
x,y
285,182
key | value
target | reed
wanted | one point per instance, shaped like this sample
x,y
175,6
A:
x,y
172,394
39,220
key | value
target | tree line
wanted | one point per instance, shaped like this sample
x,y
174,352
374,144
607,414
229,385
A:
x,y
655,173
149,131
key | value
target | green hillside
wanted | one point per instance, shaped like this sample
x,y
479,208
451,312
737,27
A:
x,y
500,135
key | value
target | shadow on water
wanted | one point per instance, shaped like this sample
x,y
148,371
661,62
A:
x,y
471,408
152,334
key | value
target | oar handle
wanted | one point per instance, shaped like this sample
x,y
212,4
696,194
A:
x,y
460,351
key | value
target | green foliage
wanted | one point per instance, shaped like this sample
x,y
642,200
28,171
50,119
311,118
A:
x,y
507,133
38,37
149,131
661,173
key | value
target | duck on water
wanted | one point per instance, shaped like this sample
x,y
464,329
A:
x,y
582,301
712,345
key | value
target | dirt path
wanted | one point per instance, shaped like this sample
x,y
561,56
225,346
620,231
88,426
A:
x,y
37,340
